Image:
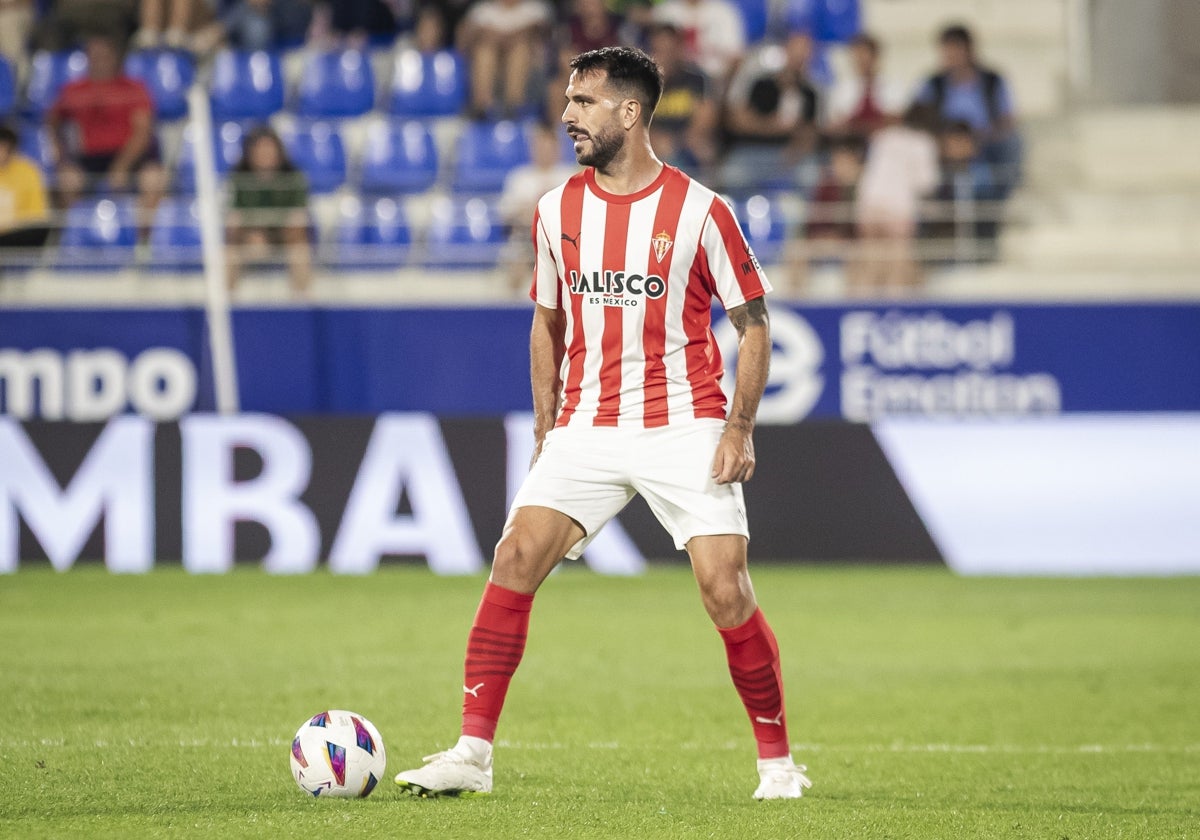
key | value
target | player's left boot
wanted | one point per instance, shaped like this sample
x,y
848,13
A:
x,y
453,772
781,778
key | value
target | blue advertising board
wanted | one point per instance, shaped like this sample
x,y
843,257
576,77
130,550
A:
x,y
855,362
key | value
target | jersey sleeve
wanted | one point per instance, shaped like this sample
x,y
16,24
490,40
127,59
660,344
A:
x,y
545,288
736,275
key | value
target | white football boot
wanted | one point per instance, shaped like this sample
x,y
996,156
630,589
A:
x,y
781,778
458,771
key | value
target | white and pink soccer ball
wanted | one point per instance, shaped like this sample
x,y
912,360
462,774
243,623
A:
x,y
338,753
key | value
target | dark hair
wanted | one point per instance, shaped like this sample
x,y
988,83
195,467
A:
x,y
922,117
957,34
853,144
862,39
261,132
629,70
958,128
8,137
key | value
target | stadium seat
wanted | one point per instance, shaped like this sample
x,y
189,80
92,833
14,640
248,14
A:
x,y
99,234
167,74
246,85
428,85
764,225
399,158
463,234
175,235
484,154
48,72
336,84
8,87
317,150
36,145
754,18
371,234
838,21
227,145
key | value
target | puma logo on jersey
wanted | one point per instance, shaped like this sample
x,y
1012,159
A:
x,y
474,692
775,721
574,240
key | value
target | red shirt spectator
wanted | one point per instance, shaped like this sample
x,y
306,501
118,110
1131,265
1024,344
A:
x,y
104,112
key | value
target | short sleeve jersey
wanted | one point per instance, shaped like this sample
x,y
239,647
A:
x,y
103,111
636,276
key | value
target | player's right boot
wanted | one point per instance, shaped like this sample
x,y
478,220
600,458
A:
x,y
781,778
452,772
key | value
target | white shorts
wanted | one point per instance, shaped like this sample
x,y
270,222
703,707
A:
x,y
590,473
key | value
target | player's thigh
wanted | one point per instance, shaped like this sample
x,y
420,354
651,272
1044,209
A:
x,y
674,476
535,539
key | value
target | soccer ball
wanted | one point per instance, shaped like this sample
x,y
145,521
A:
x,y
338,753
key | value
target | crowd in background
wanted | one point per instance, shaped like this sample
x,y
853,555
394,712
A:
x,y
878,167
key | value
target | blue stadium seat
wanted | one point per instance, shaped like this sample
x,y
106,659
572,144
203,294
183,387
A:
x,y
428,85
754,17
99,234
764,225
336,84
175,236
167,74
8,87
485,152
374,234
399,158
839,21
227,145
246,85
464,234
317,149
48,72
35,143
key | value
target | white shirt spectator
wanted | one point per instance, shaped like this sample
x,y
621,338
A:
x,y
509,17
713,31
902,167
848,89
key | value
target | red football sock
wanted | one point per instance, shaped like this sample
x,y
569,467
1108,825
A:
x,y
754,665
494,650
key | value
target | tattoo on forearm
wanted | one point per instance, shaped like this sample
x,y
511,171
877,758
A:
x,y
751,312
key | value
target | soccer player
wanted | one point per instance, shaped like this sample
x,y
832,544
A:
x,y
627,399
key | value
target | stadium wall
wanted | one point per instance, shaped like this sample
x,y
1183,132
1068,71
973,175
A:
x,y
998,439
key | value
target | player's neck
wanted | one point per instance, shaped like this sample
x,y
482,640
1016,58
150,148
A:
x,y
630,172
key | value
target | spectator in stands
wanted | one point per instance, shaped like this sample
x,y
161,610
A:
x,y
429,32
713,30
964,223
901,169
685,124
67,22
24,218
523,186
16,24
264,24
771,111
590,25
830,232
864,100
964,90
503,40
179,25
111,116
269,210
354,23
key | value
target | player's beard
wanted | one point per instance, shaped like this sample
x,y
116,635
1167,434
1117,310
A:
x,y
605,146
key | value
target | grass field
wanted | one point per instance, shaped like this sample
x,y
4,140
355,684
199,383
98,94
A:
x,y
926,706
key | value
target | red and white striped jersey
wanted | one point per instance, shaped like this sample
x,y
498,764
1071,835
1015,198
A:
x,y
636,276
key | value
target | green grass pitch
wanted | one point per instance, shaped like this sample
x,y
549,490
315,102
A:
x,y
925,705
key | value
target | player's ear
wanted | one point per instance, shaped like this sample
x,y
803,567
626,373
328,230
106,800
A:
x,y
631,113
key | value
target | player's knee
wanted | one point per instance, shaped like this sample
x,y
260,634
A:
x,y
516,563
727,599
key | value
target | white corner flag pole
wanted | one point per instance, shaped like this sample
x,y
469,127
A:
x,y
212,240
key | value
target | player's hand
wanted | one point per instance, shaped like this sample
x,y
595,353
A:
x,y
734,460
538,440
